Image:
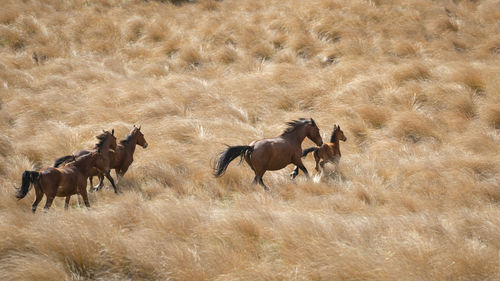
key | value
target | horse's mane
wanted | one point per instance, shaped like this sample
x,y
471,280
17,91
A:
x,y
101,138
127,138
294,124
332,138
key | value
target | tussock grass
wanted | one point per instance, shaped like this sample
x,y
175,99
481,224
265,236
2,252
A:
x,y
414,86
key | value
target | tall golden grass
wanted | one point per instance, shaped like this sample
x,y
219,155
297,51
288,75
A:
x,y
414,85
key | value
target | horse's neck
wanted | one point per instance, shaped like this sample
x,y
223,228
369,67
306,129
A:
x,y
337,146
105,148
129,146
297,136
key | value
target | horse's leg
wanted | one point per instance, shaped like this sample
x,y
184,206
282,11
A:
x,y
91,184
85,198
298,162
316,158
121,173
322,164
100,185
48,203
108,176
255,180
294,173
262,183
66,202
258,177
38,198
119,177
100,176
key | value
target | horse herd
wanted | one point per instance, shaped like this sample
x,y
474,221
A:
x,y
69,174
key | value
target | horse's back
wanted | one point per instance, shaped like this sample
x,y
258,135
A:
x,y
329,152
82,152
50,176
272,153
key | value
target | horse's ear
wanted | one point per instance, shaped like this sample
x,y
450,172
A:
x,y
312,122
140,127
113,131
134,125
103,131
332,137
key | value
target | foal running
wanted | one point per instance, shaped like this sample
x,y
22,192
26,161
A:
x,y
61,182
273,153
329,152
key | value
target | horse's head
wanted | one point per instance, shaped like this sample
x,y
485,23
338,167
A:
x,y
136,131
313,133
107,138
337,134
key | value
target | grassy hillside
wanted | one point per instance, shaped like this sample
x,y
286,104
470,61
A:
x,y
414,84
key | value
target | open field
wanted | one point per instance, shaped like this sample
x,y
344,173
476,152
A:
x,y
414,84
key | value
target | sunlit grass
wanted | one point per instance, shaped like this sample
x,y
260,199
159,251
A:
x,y
413,84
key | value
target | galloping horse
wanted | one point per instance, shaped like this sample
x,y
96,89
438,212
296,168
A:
x,y
329,152
273,153
107,142
123,156
61,182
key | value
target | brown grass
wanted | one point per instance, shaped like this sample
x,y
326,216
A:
x,y
413,84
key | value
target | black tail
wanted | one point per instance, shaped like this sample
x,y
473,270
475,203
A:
x,y
310,149
62,160
229,155
29,177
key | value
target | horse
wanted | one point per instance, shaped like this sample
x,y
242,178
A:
x,y
329,152
123,156
61,182
106,144
271,154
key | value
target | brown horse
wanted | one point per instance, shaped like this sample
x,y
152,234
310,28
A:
x,y
61,182
106,144
123,156
273,153
329,152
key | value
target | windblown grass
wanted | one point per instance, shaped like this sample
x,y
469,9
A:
x,y
413,84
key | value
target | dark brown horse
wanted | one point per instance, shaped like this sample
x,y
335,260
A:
x,y
123,156
273,153
106,144
329,152
61,182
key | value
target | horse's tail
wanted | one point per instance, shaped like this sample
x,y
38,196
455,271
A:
x,y
229,155
307,150
62,160
28,178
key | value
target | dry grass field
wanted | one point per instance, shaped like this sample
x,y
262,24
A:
x,y
414,84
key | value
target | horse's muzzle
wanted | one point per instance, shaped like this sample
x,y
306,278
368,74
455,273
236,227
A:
x,y
145,145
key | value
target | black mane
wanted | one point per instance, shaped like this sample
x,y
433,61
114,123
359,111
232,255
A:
x,y
332,138
127,138
294,124
101,138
